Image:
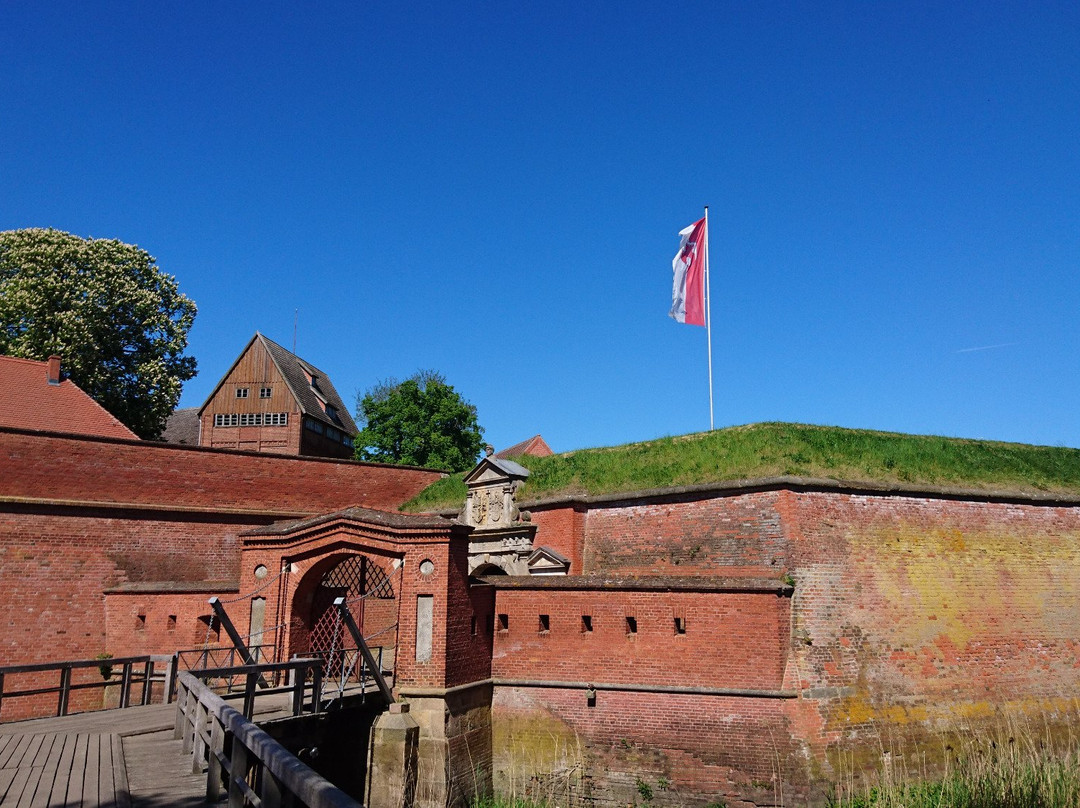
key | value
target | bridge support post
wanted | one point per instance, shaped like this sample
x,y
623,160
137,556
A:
x,y
392,759
454,749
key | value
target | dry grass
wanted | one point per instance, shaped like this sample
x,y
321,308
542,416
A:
x,y
1011,767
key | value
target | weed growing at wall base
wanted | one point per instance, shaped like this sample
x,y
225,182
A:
x,y
1009,770
504,802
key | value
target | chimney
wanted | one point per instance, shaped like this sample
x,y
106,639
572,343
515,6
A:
x,y
54,369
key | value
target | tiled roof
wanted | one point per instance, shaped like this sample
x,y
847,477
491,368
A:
x,y
535,446
182,427
293,368
370,516
28,401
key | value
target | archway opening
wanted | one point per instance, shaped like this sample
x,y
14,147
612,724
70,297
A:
x,y
369,587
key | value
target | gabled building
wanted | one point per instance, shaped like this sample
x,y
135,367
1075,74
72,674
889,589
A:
x,y
535,446
271,400
34,395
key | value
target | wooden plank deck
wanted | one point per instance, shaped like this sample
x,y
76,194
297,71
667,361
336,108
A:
x,y
44,771
108,759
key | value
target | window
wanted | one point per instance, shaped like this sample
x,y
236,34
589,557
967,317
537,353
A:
x,y
680,625
472,626
252,419
207,629
631,625
545,623
504,622
314,426
241,392
140,622
586,623
172,622
264,392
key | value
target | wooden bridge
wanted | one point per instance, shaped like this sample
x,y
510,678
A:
x,y
197,752
112,759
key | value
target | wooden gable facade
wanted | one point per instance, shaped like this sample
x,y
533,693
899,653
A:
x,y
270,400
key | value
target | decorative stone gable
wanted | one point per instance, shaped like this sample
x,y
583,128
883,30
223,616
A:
x,y
502,540
545,561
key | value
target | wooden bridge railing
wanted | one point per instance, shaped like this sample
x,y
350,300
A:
x,y
297,673
241,759
137,677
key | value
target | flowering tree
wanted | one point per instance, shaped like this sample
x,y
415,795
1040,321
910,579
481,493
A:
x,y
118,321
421,421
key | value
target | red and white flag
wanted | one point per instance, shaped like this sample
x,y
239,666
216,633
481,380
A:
x,y
688,291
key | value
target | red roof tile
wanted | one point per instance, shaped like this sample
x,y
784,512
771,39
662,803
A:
x,y
535,446
29,401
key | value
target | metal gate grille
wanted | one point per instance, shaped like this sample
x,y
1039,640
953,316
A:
x,y
356,579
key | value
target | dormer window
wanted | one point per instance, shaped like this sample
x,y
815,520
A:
x,y
241,392
264,392
331,410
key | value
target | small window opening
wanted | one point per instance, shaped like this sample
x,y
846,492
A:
x,y
680,625
586,623
631,625
264,392
545,623
140,621
207,629
172,622
472,626
504,622
241,392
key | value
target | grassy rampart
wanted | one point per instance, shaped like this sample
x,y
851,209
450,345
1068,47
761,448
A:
x,y
776,449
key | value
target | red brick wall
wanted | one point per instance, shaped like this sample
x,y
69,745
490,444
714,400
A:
x,y
550,744
140,622
56,560
915,614
707,536
36,465
732,640
562,528
56,563
468,651
912,616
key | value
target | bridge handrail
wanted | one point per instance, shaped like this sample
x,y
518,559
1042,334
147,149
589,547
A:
x,y
265,667
256,770
130,675
83,663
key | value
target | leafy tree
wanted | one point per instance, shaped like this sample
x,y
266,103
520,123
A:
x,y
421,421
118,321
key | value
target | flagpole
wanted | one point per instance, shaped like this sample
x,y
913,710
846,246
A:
x,y
708,316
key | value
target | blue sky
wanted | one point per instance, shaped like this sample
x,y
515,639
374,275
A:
x,y
494,190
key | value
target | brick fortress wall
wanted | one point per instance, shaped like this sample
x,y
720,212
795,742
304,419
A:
x,y
911,616
915,616
80,515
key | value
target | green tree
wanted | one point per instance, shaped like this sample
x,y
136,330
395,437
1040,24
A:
x,y
118,321
421,421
